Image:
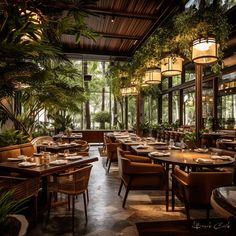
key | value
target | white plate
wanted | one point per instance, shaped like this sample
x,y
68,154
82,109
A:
x,y
27,164
58,162
201,150
160,154
141,147
204,161
226,158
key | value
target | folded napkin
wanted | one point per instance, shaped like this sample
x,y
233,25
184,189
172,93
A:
x,y
175,147
202,160
141,147
226,140
216,157
73,157
160,154
201,150
58,162
27,164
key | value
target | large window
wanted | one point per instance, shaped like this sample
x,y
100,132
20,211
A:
x,y
207,104
164,83
150,110
176,80
227,111
189,72
175,106
189,106
165,108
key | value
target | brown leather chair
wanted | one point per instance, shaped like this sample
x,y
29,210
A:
x,y
111,149
72,183
194,188
137,173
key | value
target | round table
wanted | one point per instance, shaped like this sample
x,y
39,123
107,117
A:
x,y
187,159
223,200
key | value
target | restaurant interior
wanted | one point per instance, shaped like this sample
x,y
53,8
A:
x,y
117,117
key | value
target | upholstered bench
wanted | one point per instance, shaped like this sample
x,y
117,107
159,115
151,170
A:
x,y
13,151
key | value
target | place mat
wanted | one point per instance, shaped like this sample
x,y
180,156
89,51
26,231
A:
x,y
58,162
27,164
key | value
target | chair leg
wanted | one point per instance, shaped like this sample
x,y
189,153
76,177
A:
x,y
167,200
73,213
125,197
121,185
68,201
107,161
109,166
87,193
49,205
35,208
85,208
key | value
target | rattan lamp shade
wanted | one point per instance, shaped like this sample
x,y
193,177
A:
x,y
153,76
205,51
171,66
129,91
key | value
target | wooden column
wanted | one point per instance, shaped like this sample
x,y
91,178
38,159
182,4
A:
x,y
198,97
126,112
139,114
215,124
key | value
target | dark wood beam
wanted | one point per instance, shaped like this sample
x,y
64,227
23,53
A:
x,y
112,12
118,36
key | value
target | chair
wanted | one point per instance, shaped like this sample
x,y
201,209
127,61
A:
x,y
72,183
137,173
194,188
111,149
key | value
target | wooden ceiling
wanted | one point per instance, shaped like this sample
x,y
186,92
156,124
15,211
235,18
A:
x,y
122,27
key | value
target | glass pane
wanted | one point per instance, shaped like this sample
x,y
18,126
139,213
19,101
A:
x,y
175,106
165,108
207,104
132,112
189,72
189,106
227,111
165,83
176,80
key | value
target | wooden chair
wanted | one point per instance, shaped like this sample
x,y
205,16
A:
x,y
137,173
194,188
72,183
111,149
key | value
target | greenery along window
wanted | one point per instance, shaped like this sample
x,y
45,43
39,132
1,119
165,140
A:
x,y
150,110
189,106
189,72
227,111
165,107
164,83
132,111
207,104
175,106
176,80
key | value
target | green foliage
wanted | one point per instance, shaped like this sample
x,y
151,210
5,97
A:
x,y
8,206
190,137
61,122
12,137
102,117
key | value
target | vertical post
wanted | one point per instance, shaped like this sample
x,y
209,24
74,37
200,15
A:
x,y
198,98
215,124
126,112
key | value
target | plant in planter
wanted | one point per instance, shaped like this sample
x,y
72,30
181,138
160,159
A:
x,y
102,117
190,138
10,222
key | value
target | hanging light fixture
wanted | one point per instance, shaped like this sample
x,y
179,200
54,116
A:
x,y
144,79
205,50
153,76
171,66
129,91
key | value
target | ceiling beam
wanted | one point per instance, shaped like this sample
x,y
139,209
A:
x,y
119,36
112,12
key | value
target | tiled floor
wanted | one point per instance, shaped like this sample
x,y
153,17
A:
x,y
106,217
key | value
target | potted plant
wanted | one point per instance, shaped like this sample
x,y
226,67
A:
x,y
11,223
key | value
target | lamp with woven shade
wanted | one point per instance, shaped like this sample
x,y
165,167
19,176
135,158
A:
x,y
205,50
129,91
171,65
153,76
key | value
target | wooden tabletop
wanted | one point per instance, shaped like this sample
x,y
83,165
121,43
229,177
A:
x,y
44,169
57,147
191,158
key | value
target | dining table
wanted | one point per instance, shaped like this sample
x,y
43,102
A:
x,y
68,138
194,160
43,166
57,147
223,200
